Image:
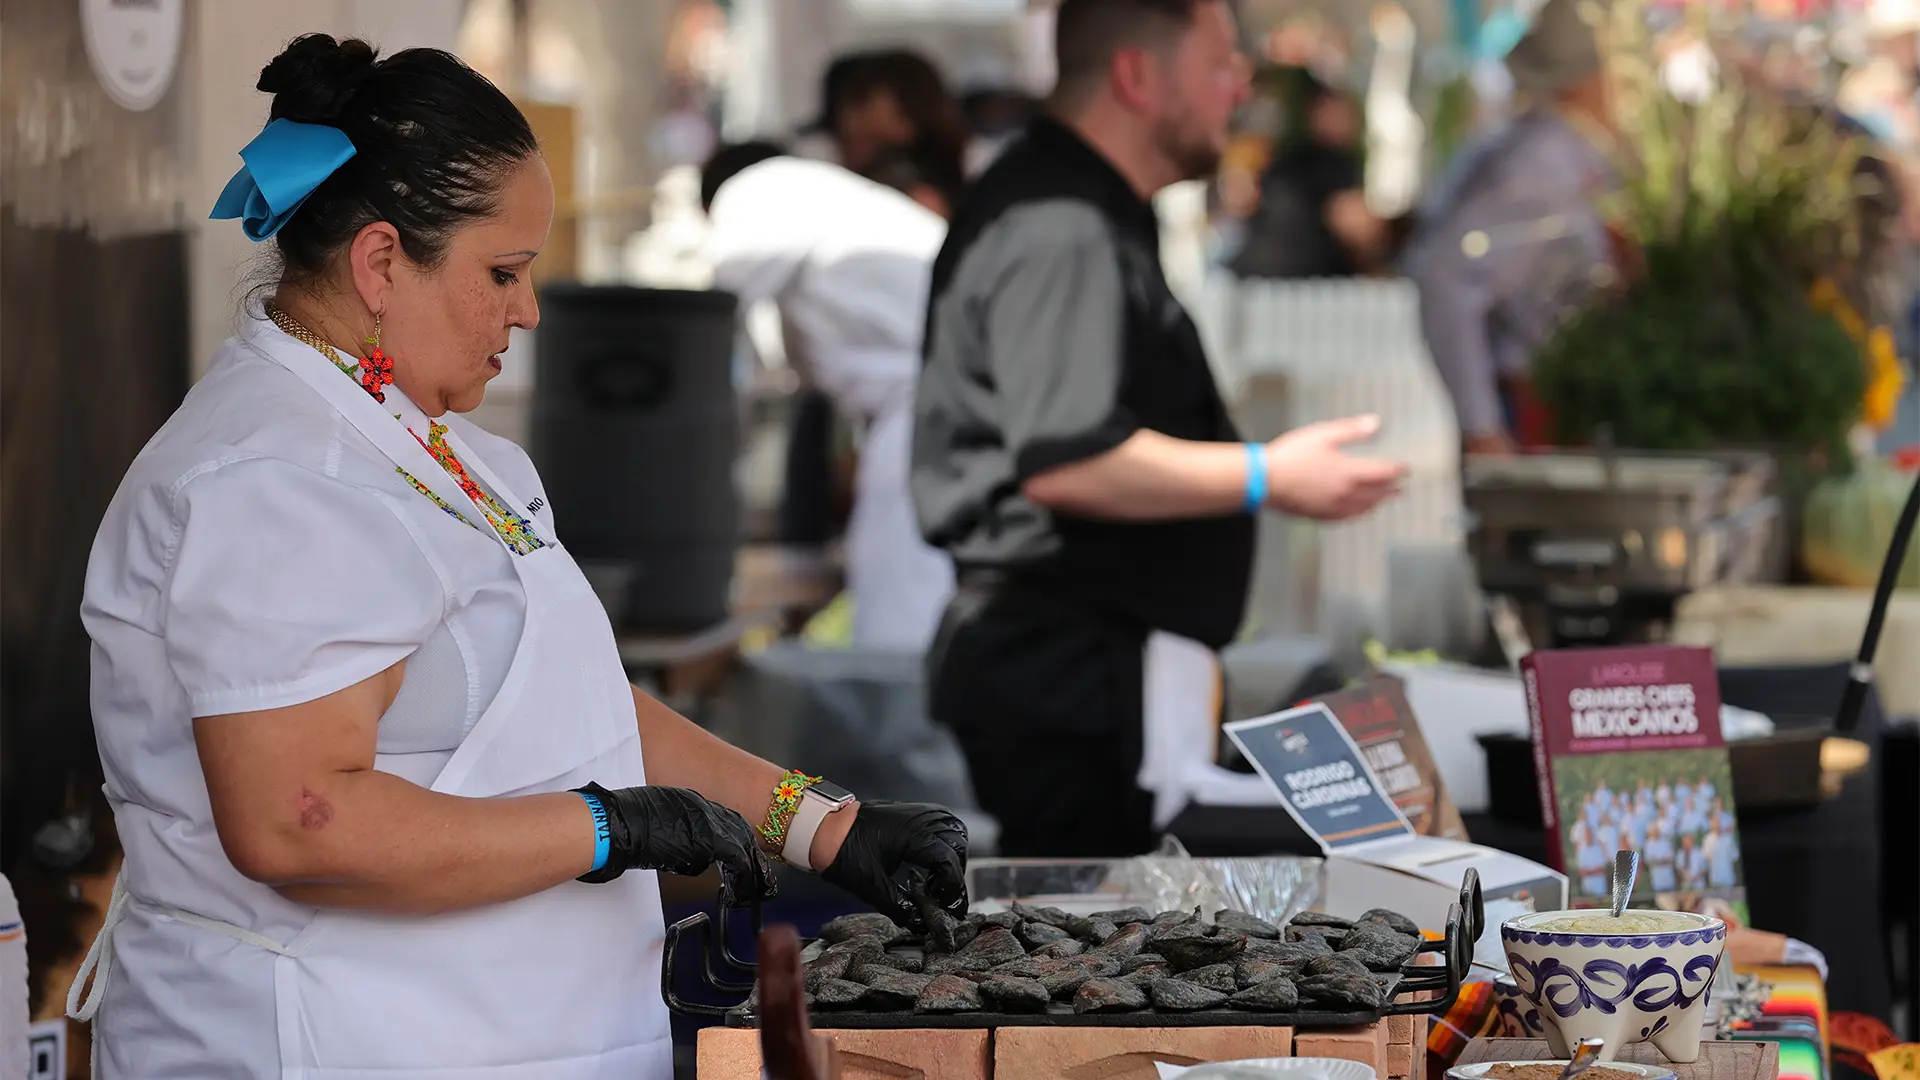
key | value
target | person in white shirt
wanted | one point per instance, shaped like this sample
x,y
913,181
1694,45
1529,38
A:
x,y
1720,814
871,103
880,100
1608,835
1692,820
847,260
1660,856
1718,850
354,700
1693,865
1592,860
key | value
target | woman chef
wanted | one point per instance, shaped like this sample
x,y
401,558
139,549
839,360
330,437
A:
x,y
388,803
847,258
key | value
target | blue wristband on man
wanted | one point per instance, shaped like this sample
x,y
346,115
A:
x,y
1256,477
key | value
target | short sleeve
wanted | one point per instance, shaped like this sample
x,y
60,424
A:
x,y
287,585
1056,336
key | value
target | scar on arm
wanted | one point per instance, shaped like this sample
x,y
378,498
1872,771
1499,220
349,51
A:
x,y
315,811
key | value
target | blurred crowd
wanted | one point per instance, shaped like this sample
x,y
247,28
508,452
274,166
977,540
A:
x,y
1506,230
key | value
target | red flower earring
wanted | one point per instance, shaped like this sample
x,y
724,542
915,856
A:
x,y
376,371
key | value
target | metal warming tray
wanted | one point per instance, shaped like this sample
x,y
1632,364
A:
x,y
1422,988
1638,522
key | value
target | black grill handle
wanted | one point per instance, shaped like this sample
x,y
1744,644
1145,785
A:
x,y
1853,698
1466,920
689,925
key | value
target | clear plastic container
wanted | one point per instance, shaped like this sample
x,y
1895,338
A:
x,y
1274,888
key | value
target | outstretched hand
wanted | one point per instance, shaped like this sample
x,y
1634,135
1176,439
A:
x,y
1310,473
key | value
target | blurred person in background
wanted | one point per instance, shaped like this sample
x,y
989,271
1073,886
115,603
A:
x,y
871,102
880,99
1311,219
995,116
1071,451
1518,236
846,258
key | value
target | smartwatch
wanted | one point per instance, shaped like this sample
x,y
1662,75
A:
x,y
816,803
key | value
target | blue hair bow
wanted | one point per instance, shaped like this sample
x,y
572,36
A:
x,y
284,164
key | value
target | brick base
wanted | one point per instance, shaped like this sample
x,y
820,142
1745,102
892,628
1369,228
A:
x,y
1395,1049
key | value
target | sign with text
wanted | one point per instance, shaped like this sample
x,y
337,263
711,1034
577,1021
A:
x,y
1629,755
1377,715
1322,779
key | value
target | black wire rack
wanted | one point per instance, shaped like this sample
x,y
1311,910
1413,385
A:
x,y
1422,987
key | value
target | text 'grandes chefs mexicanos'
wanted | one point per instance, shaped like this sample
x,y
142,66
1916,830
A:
x,y
1323,784
1611,712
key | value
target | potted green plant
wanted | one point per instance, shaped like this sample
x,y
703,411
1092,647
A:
x,y
1734,322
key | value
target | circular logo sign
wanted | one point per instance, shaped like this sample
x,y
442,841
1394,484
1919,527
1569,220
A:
x,y
134,46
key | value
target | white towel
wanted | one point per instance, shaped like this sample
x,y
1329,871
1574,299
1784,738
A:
x,y
1177,764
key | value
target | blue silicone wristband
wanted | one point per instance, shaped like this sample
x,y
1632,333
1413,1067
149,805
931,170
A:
x,y
1256,477
602,832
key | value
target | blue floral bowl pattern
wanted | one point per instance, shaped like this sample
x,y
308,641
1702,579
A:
x,y
1623,988
1519,1018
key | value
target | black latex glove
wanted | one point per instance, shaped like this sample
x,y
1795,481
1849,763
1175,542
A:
x,y
926,842
681,832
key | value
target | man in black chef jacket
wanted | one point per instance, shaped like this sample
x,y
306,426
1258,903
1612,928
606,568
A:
x,y
1071,451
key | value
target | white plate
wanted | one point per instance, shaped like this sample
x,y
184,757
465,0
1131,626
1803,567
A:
x,y
1263,1068
1644,1072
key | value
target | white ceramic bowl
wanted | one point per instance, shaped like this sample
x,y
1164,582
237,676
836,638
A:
x,y
1269,1069
1621,988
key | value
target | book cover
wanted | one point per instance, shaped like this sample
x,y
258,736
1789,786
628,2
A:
x,y
1382,724
1629,754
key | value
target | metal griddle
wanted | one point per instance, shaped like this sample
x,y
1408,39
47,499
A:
x,y
723,973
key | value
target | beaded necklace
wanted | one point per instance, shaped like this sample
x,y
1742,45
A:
x,y
374,374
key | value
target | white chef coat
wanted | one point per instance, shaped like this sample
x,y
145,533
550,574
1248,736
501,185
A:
x,y
265,550
848,262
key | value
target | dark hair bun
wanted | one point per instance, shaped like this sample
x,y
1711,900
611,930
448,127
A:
x,y
312,80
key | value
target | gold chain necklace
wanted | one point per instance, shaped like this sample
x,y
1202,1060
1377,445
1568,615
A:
x,y
298,331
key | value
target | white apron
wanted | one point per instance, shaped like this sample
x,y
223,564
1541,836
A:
x,y
562,985
1179,705
899,583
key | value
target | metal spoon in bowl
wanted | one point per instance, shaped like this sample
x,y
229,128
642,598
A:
x,y
1626,870
1585,1053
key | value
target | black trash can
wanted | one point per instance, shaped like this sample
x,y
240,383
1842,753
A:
x,y
635,430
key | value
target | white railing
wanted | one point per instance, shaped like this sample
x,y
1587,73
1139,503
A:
x,y
1293,352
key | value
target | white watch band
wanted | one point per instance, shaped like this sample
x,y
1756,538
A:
x,y
813,809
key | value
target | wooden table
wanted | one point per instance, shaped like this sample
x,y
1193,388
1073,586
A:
x,y
1718,1060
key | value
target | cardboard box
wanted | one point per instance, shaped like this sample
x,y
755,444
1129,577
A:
x,y
1420,876
734,1054
1042,1053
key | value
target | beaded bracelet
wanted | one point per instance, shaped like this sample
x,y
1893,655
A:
x,y
786,800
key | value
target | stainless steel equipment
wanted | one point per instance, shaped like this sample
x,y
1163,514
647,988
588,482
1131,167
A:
x,y
1596,547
